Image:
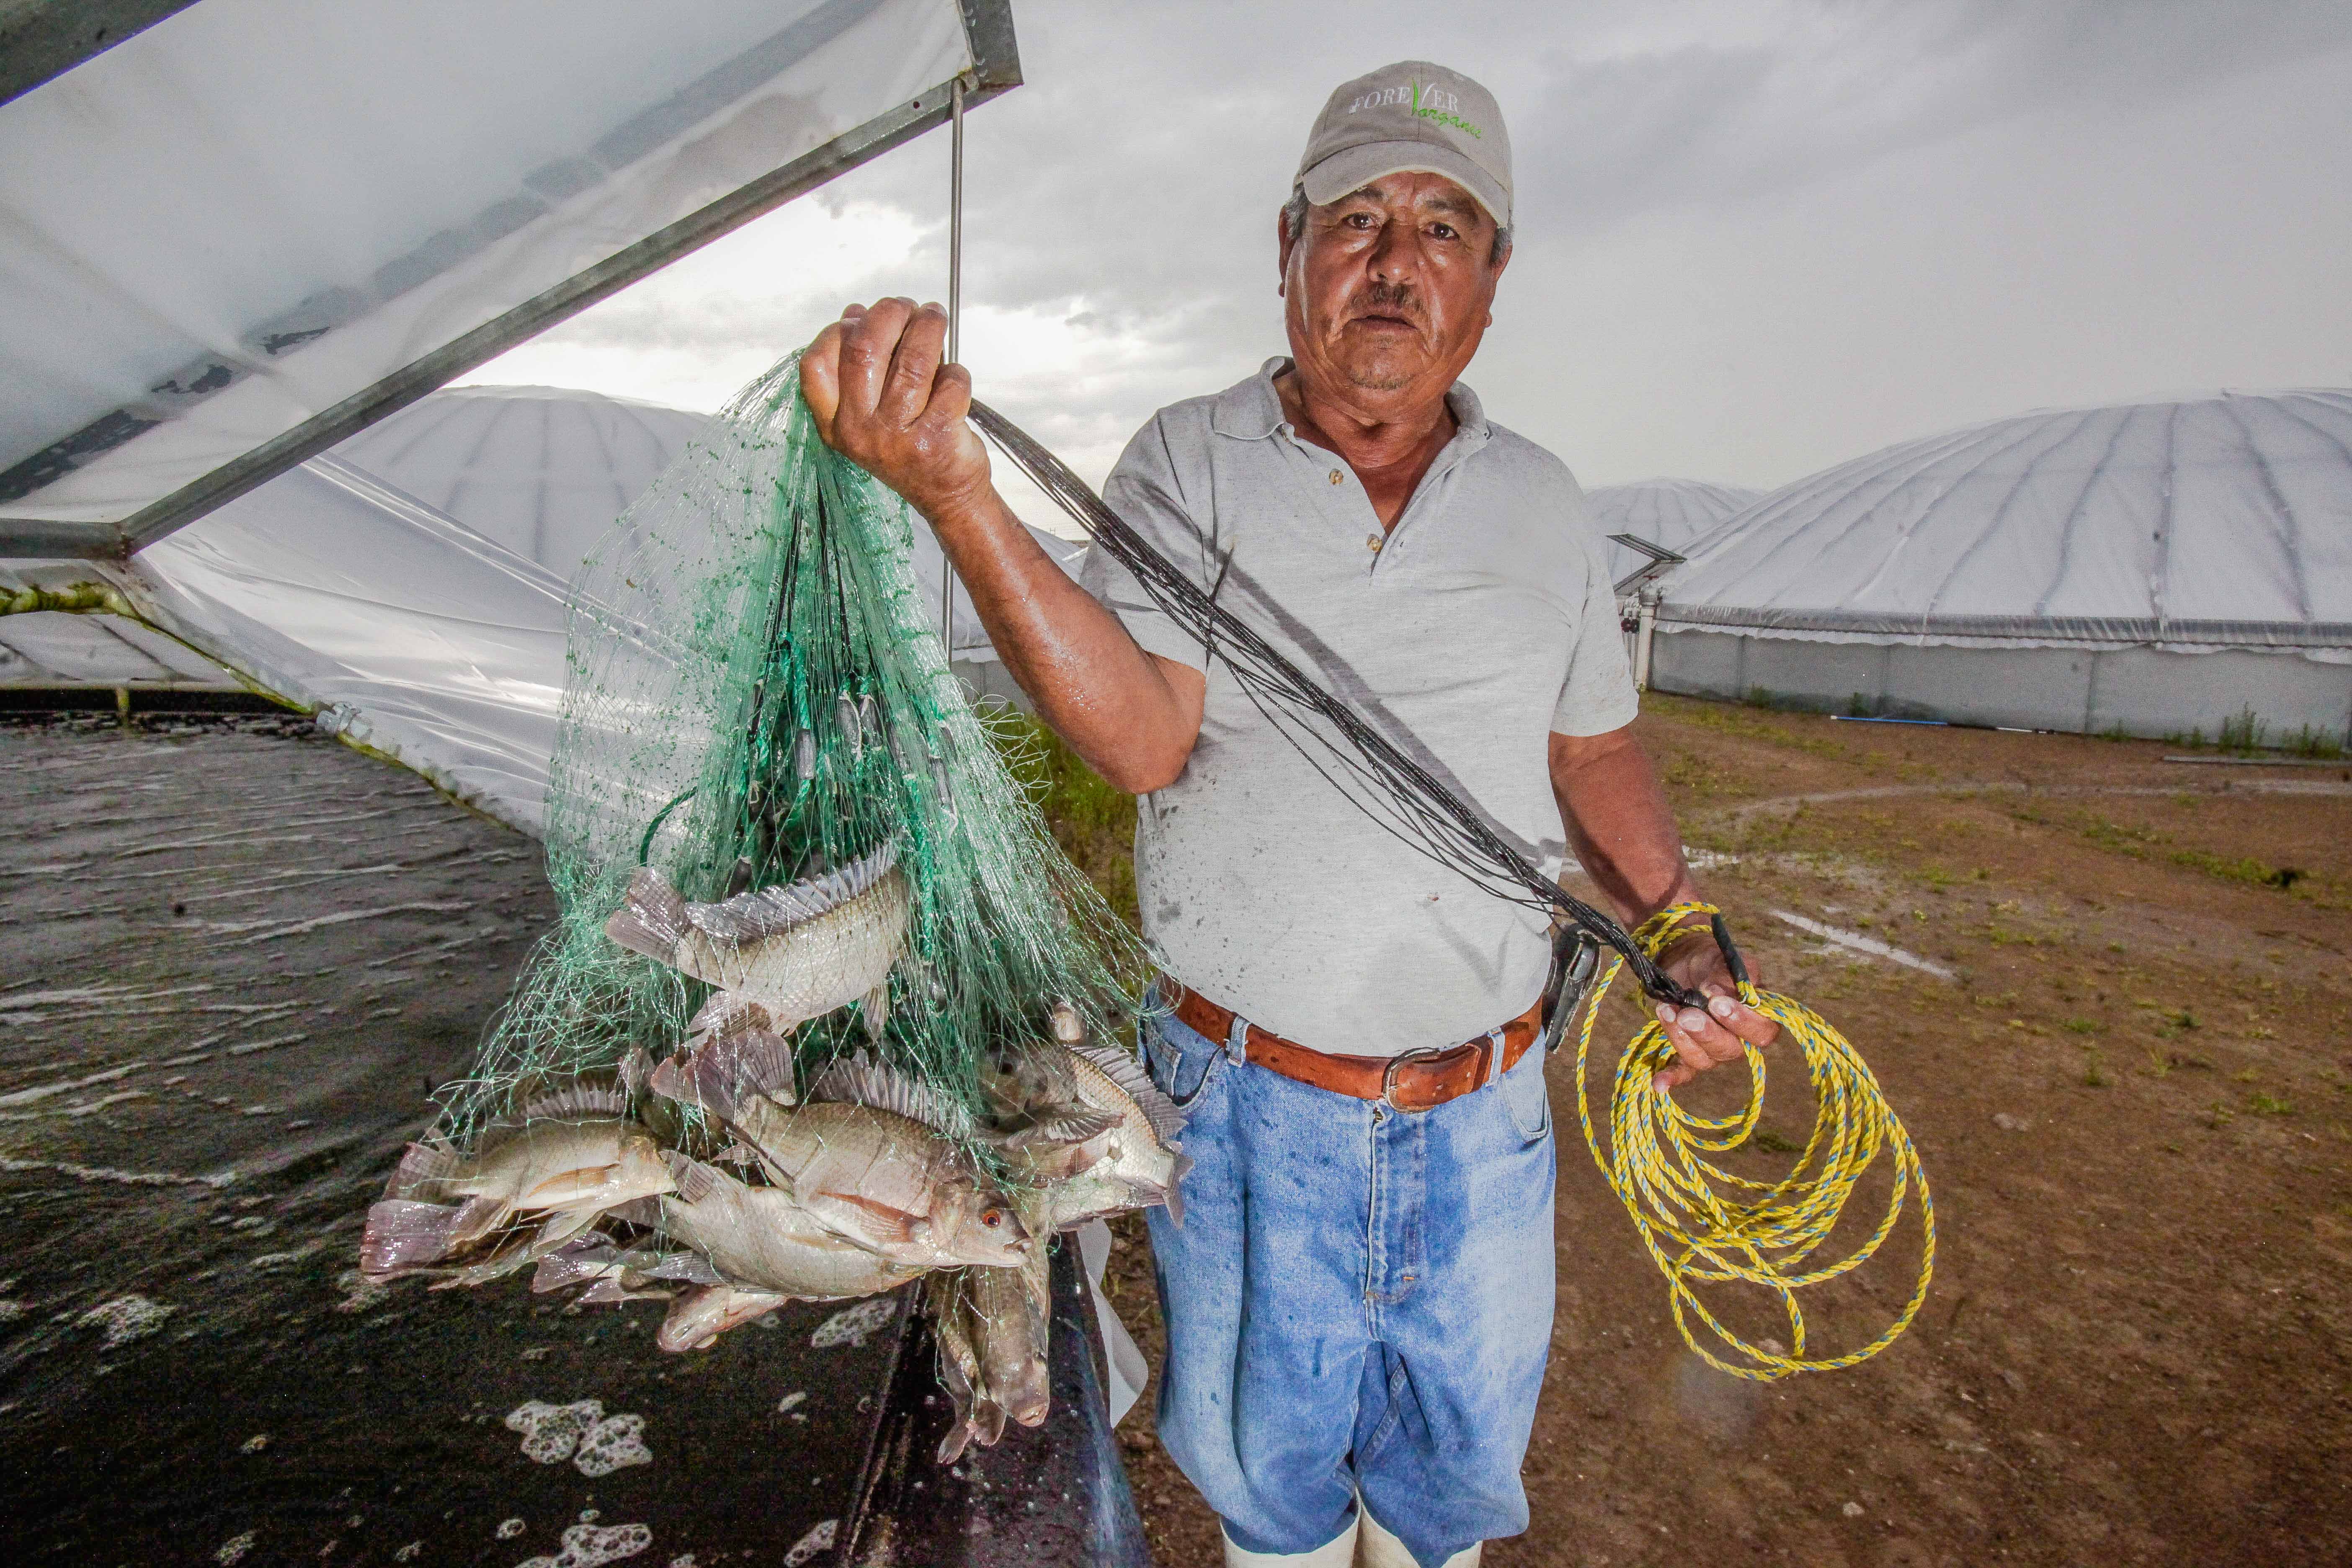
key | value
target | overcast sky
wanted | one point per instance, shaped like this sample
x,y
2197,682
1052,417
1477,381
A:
x,y
1755,239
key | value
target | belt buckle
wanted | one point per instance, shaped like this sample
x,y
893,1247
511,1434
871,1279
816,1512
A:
x,y
1389,1079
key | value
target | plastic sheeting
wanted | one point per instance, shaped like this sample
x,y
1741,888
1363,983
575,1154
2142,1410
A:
x,y
2191,523
432,634
1670,512
232,223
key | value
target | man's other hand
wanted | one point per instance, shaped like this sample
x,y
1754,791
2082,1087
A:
x,y
884,398
1722,1033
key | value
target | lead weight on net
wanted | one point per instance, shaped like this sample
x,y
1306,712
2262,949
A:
x,y
844,713
804,755
940,788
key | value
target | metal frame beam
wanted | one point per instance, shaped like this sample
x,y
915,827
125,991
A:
x,y
987,25
43,39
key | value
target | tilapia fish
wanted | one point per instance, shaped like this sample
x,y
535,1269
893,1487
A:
x,y
992,1327
698,1318
1103,1142
570,1155
797,952
615,1272
760,1238
867,1158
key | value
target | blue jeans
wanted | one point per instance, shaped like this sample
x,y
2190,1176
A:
x,y
1359,1302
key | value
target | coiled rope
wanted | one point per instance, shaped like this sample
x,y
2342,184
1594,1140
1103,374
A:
x,y
1703,1225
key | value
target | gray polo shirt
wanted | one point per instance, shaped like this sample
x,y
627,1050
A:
x,y
1480,625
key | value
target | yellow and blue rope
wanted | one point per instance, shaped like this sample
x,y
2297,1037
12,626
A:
x,y
1704,1225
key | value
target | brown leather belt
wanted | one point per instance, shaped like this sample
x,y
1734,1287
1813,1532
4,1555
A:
x,y
1417,1080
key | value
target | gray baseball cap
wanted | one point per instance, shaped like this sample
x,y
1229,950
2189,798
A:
x,y
1411,115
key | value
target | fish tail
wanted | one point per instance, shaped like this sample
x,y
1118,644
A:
x,y
652,918
402,1234
696,1181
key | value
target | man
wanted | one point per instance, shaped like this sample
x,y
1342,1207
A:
x,y
1359,1302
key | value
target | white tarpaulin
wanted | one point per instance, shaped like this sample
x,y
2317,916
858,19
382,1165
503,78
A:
x,y
2154,568
1668,512
417,599
249,230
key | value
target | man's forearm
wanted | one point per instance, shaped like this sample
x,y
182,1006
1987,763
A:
x,y
1618,823
1122,710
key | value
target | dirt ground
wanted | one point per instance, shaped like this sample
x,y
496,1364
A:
x,y
2133,1100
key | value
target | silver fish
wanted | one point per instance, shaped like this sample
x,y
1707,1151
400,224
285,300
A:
x,y
799,951
570,1155
698,1317
613,1272
991,1325
868,1160
1142,1163
760,1238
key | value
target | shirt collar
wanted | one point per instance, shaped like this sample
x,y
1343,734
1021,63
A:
x,y
1251,410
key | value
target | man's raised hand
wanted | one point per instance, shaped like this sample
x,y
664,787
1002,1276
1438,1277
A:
x,y
1722,1033
884,398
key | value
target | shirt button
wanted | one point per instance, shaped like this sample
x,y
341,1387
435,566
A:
x,y
1373,541
1335,475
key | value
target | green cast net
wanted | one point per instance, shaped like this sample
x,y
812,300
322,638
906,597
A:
x,y
757,693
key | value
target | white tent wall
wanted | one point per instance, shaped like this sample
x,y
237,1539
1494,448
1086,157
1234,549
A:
x,y
1669,512
251,230
2151,568
2131,691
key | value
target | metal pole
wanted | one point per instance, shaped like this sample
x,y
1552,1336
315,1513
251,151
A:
x,y
955,324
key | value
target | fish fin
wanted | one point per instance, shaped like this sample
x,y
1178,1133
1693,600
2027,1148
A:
x,y
1173,1198
1124,1070
885,1222
1064,1126
653,918
402,1234
696,1181
673,1079
561,1227
864,1080
987,1422
423,1164
609,1292
645,1212
742,1155
750,917
635,1068
750,1061
726,1012
875,1010
951,1446
580,1102
688,1267
585,1258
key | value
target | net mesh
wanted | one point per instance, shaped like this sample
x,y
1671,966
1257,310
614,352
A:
x,y
755,693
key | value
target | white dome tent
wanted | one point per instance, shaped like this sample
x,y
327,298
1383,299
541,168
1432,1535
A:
x,y
2147,568
1669,512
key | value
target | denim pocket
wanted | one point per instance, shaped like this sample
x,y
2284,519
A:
x,y
1179,1060
1526,1099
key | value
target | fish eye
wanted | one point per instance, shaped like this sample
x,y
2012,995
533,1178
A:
x,y
992,1219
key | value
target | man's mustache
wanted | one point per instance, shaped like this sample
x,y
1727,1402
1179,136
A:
x,y
1387,299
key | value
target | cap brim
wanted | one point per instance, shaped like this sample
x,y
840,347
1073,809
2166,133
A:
x,y
1353,168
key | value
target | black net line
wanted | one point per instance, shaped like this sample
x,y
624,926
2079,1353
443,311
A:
x,y
1396,792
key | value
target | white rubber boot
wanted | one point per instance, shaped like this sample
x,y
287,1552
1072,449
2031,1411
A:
x,y
1376,1548
1340,1553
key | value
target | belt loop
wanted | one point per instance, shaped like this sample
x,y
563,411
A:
x,y
1494,1056
1237,1041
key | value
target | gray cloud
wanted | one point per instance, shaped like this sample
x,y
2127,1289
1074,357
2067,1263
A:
x,y
1125,197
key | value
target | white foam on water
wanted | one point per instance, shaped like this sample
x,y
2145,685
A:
x,y
107,1173
128,1318
854,1325
234,1549
551,1432
612,1443
509,1529
593,1545
784,1404
809,1545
